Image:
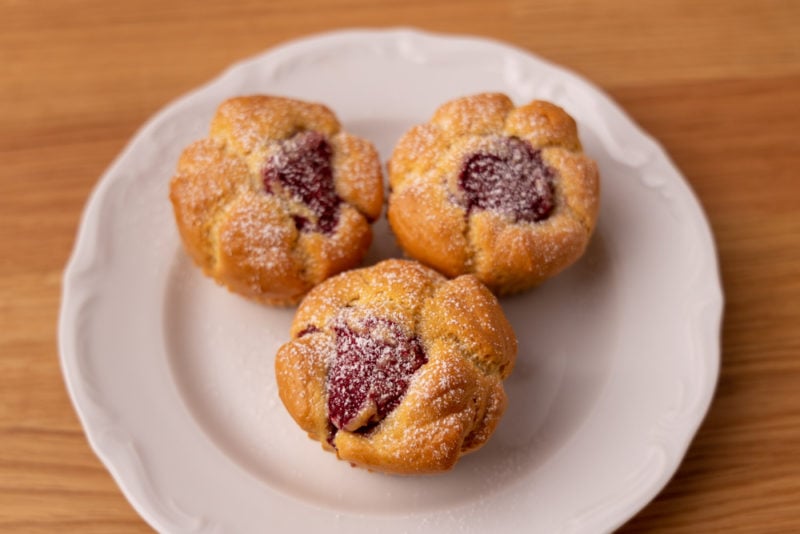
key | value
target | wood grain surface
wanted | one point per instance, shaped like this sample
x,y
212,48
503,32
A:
x,y
717,82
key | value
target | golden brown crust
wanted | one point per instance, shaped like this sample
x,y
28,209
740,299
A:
x,y
507,255
247,239
453,402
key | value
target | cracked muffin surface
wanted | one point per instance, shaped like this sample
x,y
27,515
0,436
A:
x,y
396,368
277,198
502,192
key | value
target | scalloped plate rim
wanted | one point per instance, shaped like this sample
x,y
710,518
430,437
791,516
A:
x,y
78,258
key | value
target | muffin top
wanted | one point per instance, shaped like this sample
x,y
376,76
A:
x,y
277,198
499,191
396,368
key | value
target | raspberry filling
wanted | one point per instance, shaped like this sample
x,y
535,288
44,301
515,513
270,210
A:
x,y
302,165
370,372
512,180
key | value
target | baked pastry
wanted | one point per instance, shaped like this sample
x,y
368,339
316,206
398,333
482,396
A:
x,y
502,192
396,368
277,198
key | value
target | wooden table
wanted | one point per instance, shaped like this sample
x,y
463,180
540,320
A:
x,y
717,82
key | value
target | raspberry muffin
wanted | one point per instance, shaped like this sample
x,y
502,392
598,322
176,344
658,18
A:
x,y
277,198
397,369
502,192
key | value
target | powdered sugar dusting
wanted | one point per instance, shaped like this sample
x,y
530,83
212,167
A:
x,y
302,166
523,166
387,406
369,371
256,237
276,156
512,179
479,114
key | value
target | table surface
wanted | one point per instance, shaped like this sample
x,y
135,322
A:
x,y
717,82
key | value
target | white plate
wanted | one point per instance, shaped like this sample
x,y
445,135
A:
x,y
172,376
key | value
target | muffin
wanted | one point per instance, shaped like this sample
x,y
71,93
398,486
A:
x,y
277,198
501,192
397,369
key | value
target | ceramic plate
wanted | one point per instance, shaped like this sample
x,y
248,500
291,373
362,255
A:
x,y
172,376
